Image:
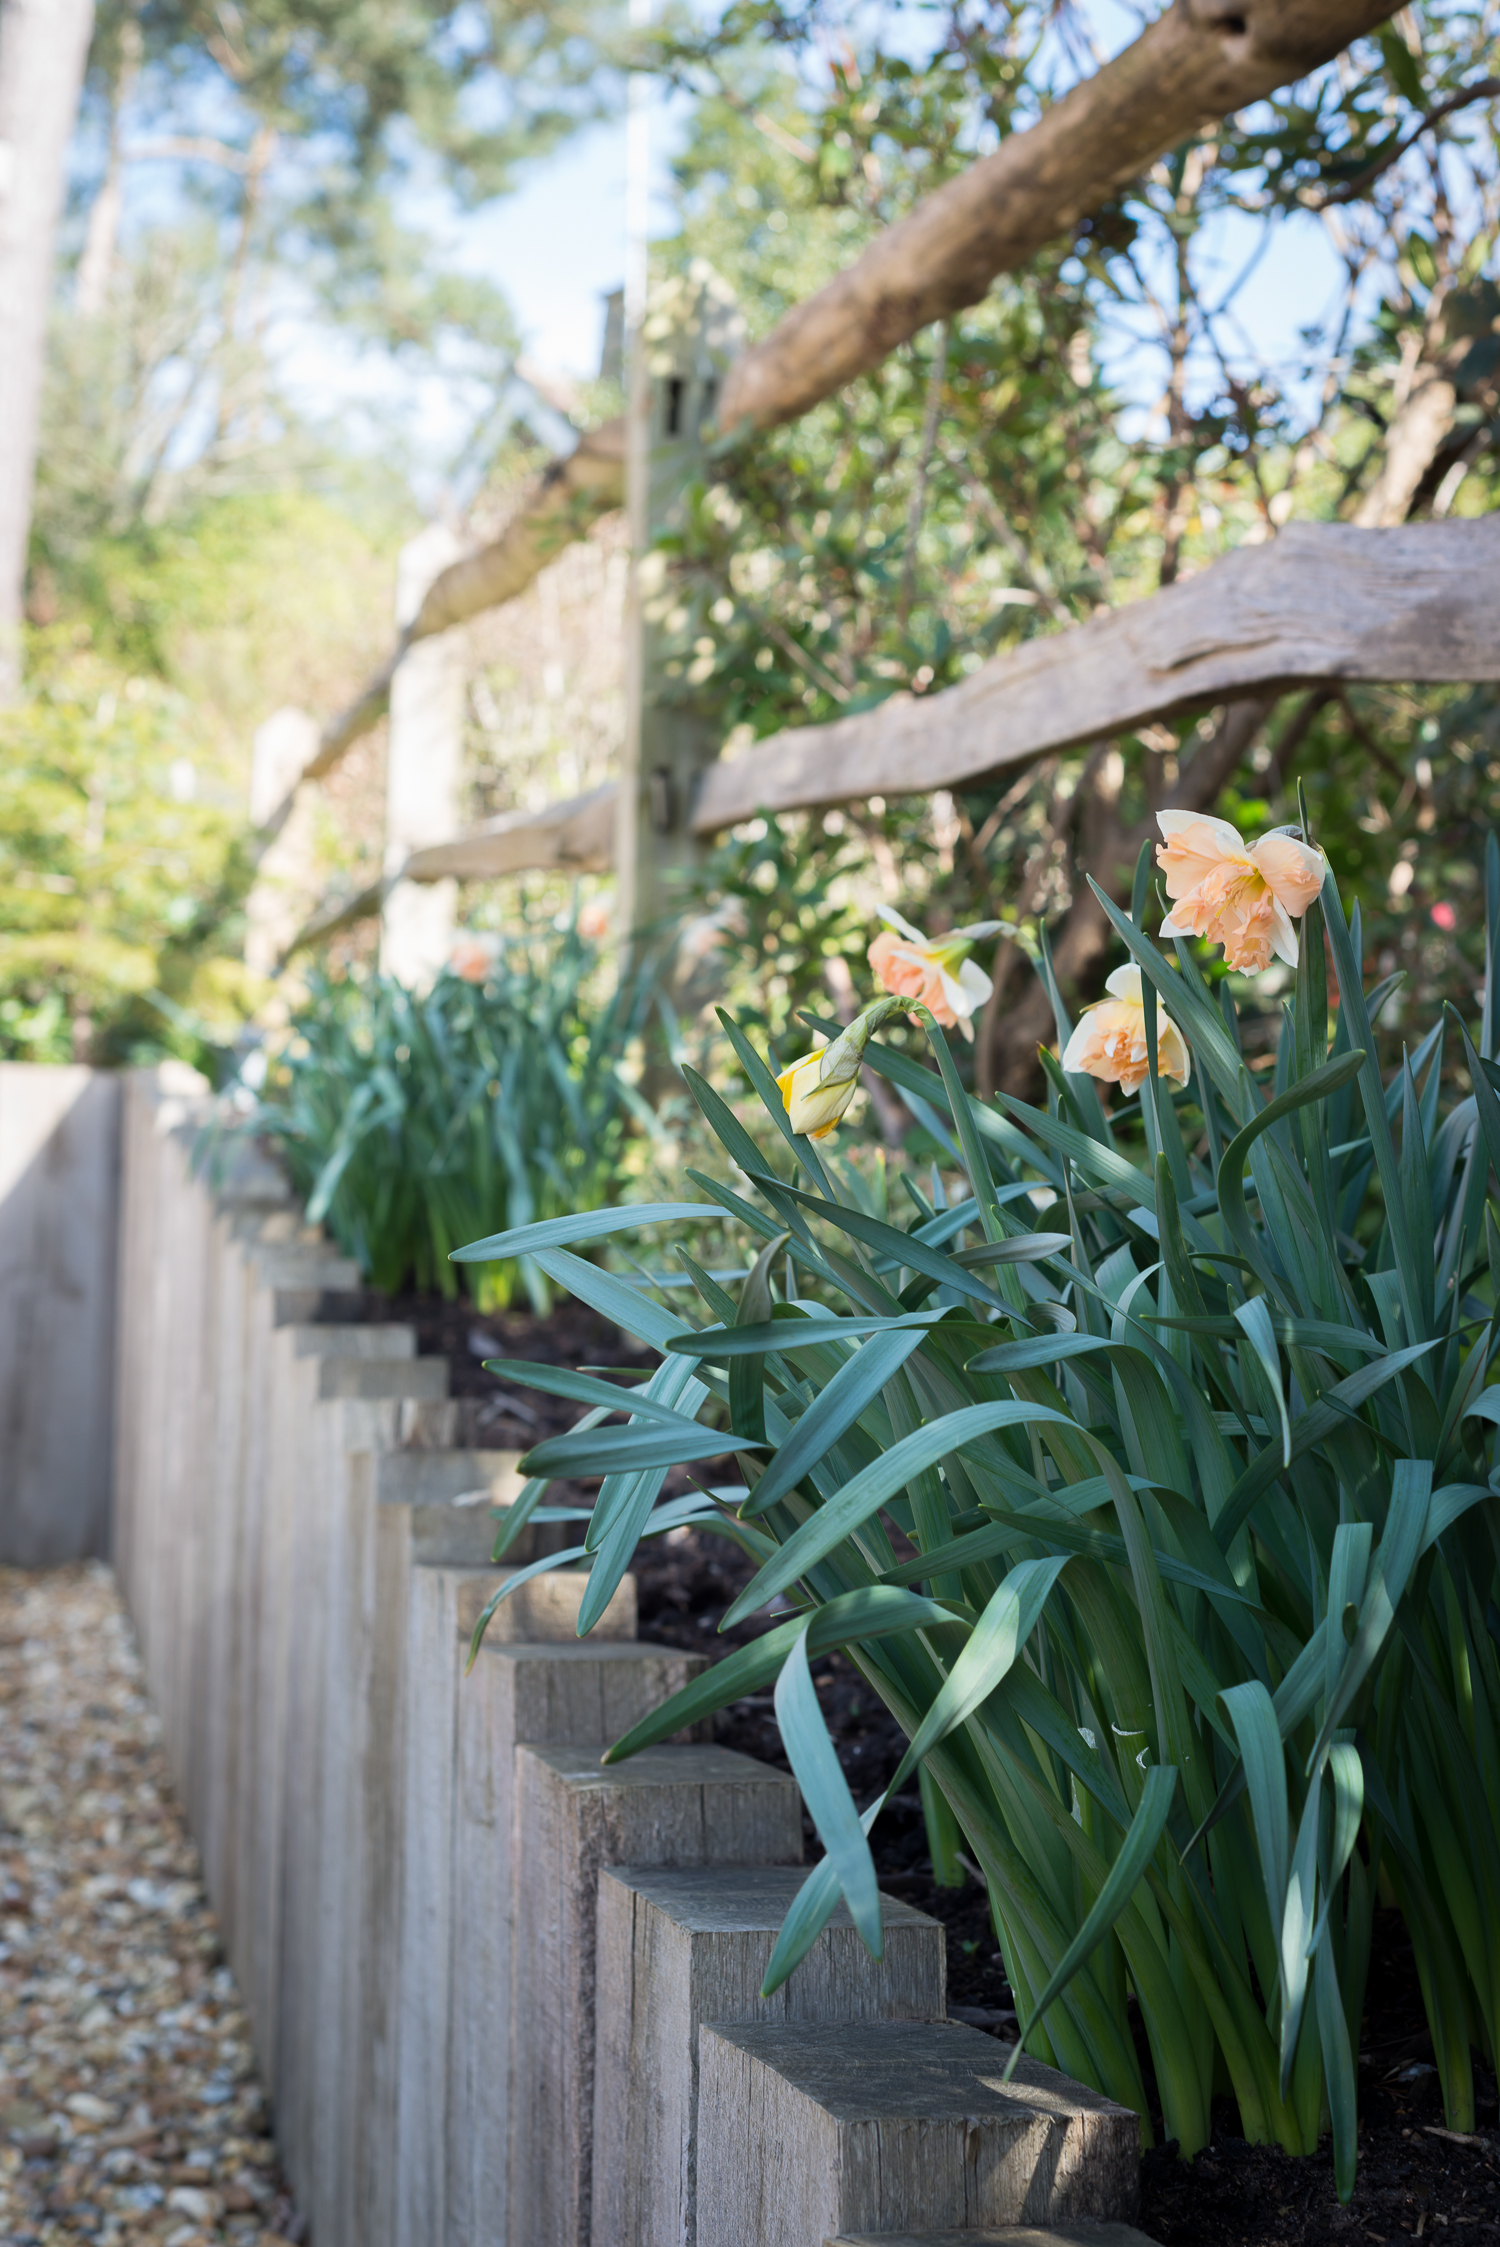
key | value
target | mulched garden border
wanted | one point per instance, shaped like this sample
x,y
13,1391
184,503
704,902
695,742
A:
x,y
1417,2179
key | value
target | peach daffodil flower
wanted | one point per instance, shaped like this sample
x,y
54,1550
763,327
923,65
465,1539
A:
x,y
1110,1040
473,956
934,971
1244,896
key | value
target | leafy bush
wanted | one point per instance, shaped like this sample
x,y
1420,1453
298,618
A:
x,y
124,871
1162,1517
408,1122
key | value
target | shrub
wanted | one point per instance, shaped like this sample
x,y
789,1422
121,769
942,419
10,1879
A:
x,y
406,1122
1162,1517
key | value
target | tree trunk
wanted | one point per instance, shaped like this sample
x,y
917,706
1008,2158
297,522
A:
x,y
96,267
44,46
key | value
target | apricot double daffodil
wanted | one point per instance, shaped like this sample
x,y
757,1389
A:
x,y
1110,1040
935,972
1244,896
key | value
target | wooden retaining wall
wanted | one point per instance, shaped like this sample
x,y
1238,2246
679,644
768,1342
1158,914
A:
x,y
59,1206
501,1996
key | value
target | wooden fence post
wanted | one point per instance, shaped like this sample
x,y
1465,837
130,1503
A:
x,y
424,769
686,341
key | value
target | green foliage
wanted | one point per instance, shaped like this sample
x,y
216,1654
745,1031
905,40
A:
x,y
1148,1475
1097,426
123,875
411,1124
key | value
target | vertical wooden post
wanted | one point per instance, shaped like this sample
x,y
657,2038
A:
x,y
285,887
680,350
424,769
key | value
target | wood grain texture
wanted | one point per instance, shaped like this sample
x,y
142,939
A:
x,y
544,1610
576,836
666,1806
586,1694
1321,601
1199,60
807,2132
1012,2235
679,1947
59,1222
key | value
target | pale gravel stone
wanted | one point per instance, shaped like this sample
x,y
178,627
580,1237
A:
x,y
129,2108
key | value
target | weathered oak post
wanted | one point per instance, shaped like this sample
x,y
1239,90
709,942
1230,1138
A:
x,y
681,350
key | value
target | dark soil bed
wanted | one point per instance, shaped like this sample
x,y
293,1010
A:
x,y
1416,2179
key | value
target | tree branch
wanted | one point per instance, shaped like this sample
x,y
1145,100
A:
x,y
1199,61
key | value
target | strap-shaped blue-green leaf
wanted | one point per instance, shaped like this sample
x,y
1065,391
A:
x,y
834,1410
873,1486
1231,1180
1021,1248
1263,1761
718,1345
1348,1574
915,1254
1255,1321
1405,1524
513,1583
583,1225
626,1306
609,1451
1322,1418
585,1388
1448,1505
515,1517
1347,1776
825,1791
812,1907
1009,1619
1296,1930
980,1182
747,1375
853,1619
1036,1350
1338,2069
1353,1012
1136,1852
1292,1333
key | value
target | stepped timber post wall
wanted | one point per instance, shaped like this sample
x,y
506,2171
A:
x,y
501,1997
59,1194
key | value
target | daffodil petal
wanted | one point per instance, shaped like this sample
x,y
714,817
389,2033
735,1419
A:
x,y
1228,838
1291,870
974,982
1125,983
1284,942
903,927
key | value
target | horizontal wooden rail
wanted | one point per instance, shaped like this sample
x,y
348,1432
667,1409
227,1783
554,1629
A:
x,y
575,837
1321,601
1199,60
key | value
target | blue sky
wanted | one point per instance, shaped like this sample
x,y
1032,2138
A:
x,y
557,244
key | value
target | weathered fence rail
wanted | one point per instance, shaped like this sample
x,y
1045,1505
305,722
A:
x,y
501,1996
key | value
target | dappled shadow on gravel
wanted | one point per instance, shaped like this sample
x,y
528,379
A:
x,y
129,2108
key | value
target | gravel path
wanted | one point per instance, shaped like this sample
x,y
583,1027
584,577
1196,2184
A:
x,y
129,2106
